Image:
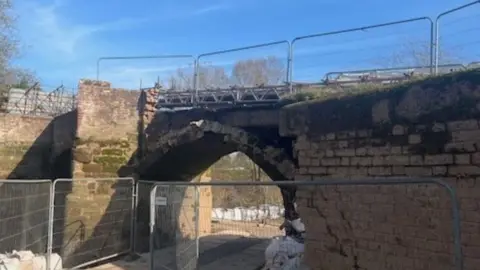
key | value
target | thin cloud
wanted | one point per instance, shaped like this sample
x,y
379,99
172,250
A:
x,y
209,9
47,29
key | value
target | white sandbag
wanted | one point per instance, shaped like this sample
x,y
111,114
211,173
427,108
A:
x,y
284,253
27,260
9,264
218,213
40,262
264,211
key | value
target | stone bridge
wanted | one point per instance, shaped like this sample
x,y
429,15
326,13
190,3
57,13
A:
x,y
427,128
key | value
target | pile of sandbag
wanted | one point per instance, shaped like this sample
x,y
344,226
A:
x,y
248,214
27,260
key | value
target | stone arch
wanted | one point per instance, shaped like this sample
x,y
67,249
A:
x,y
214,140
181,155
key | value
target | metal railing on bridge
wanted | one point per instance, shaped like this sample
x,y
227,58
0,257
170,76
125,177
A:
x,y
432,57
262,95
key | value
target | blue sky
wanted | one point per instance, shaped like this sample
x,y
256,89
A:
x,y
65,38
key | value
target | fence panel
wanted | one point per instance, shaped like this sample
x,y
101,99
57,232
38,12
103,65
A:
x,y
174,72
24,215
406,43
457,33
142,217
385,223
173,227
227,74
92,219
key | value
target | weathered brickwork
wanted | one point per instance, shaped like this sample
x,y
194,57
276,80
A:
x,y
410,226
20,135
429,129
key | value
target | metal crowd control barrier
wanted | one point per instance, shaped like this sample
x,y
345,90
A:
x,y
437,29
188,248
25,213
197,62
363,28
110,200
319,182
173,56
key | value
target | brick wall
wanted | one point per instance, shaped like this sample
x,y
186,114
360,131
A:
x,y
24,141
427,129
106,138
107,129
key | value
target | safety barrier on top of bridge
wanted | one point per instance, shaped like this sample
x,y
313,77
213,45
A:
x,y
267,94
88,221
271,94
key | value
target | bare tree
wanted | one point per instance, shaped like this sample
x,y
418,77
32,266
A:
x,y
211,77
252,72
208,77
416,53
10,47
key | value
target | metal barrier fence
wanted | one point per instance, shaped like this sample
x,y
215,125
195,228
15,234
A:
x,y
361,29
203,224
24,215
378,217
150,57
257,46
432,56
436,44
92,220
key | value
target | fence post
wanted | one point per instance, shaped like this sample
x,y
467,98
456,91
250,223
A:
x,y
197,221
153,193
437,27
133,226
50,226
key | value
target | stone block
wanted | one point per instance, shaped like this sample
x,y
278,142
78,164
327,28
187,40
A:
x,y
317,170
418,171
463,125
462,159
330,161
361,161
442,159
464,170
345,152
398,130
380,171
465,135
414,139
396,160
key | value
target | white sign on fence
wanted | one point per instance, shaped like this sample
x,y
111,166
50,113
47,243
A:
x,y
161,201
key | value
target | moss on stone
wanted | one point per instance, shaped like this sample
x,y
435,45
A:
x,y
110,160
120,143
112,152
114,143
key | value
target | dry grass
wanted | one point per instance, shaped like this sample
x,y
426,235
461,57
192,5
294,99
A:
x,y
326,92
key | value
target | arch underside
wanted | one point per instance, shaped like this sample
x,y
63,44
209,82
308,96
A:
x,y
184,154
190,159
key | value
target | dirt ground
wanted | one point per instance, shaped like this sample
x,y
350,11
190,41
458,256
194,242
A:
x,y
249,258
